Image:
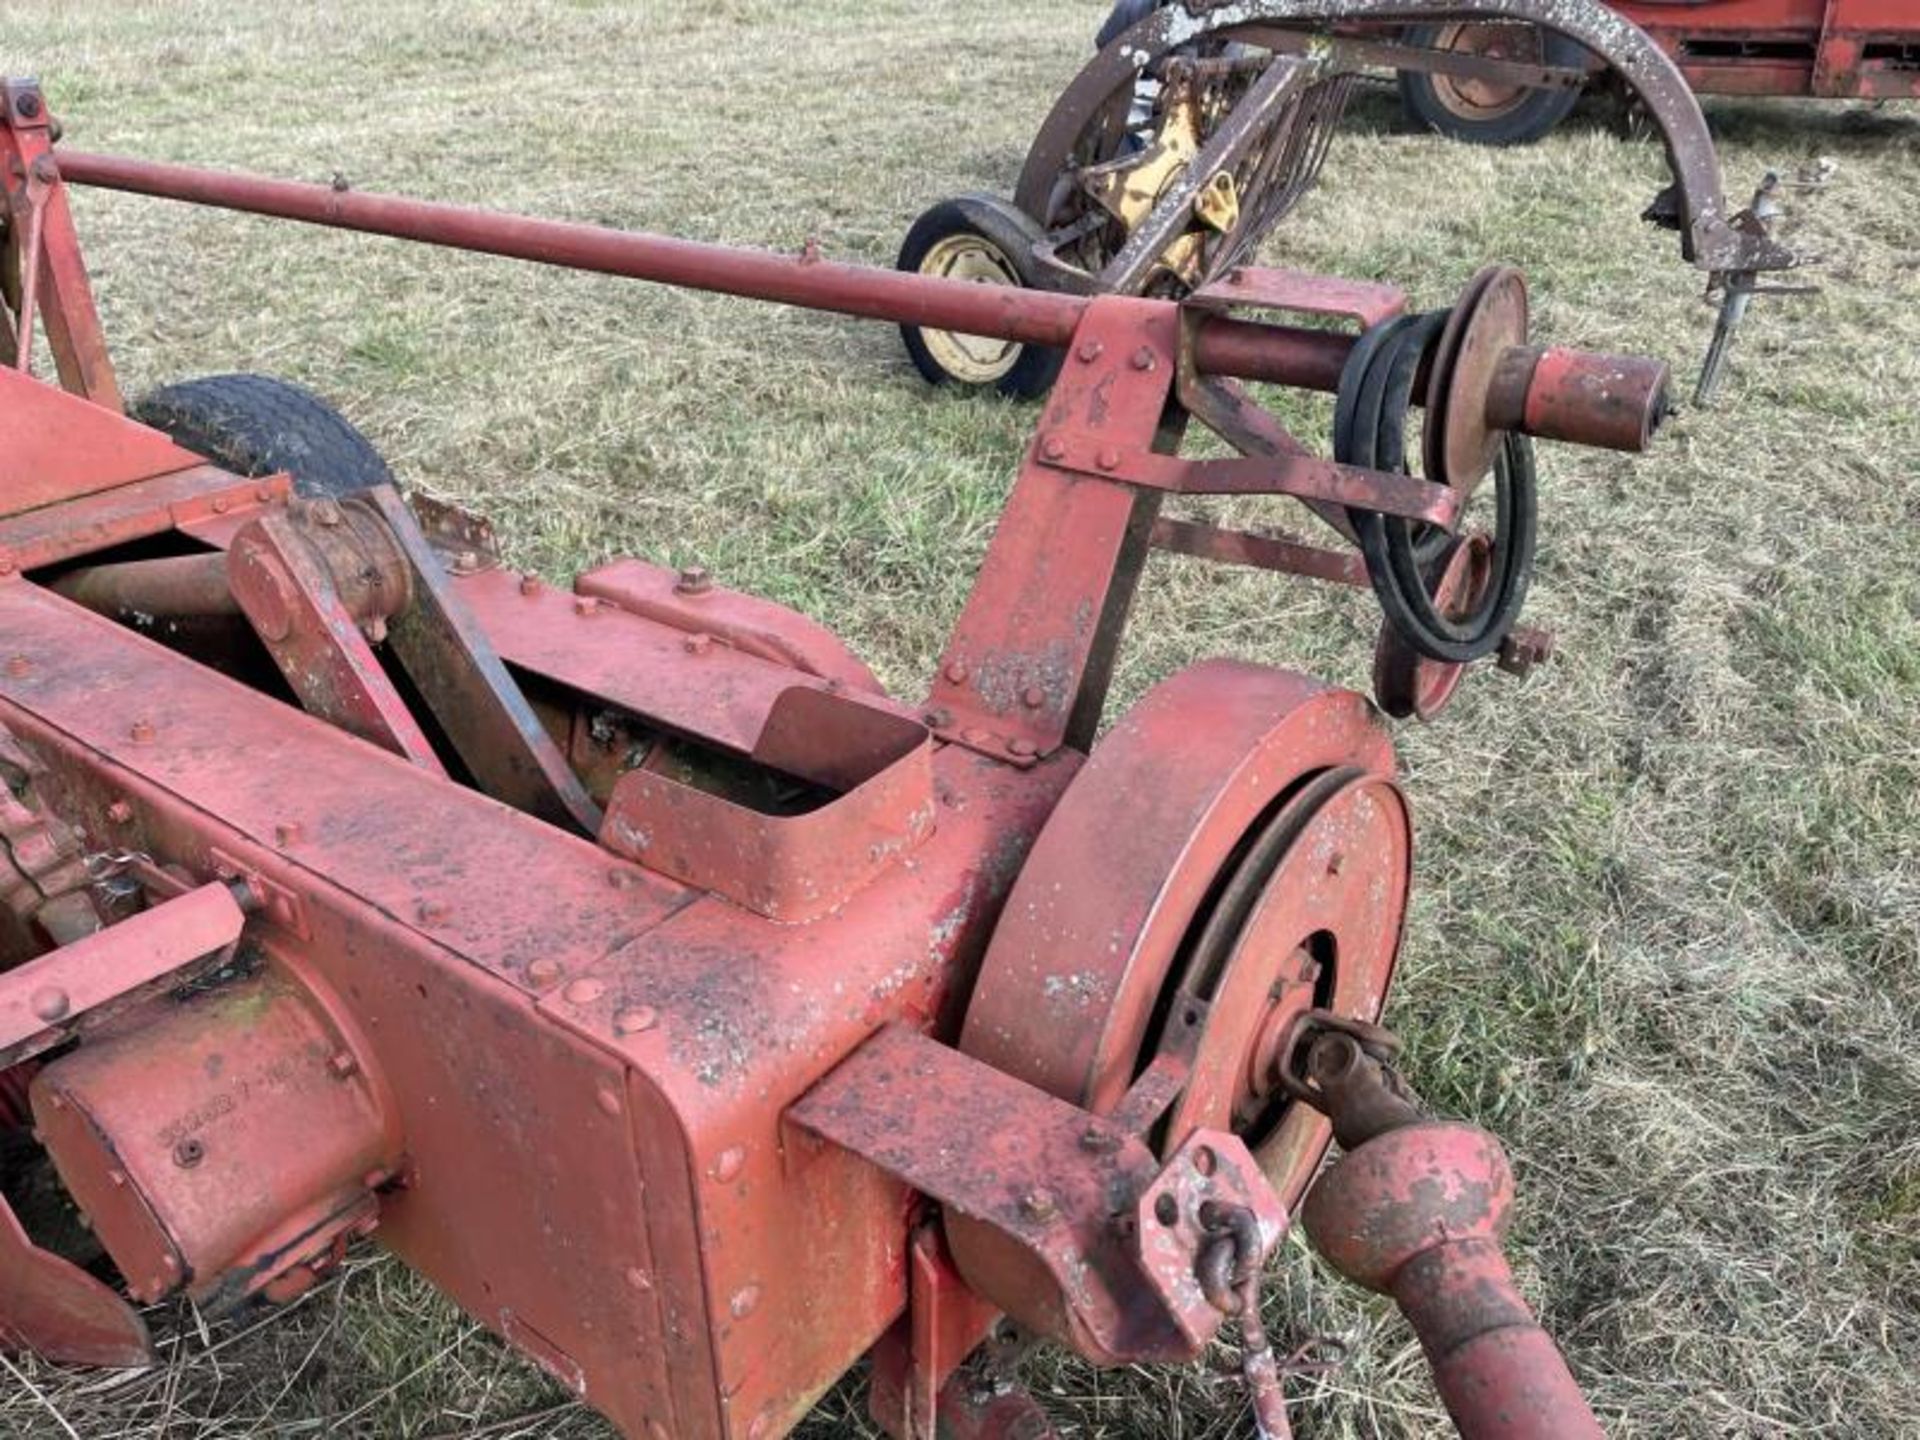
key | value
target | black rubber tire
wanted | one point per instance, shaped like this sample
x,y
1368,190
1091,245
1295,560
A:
x,y
1531,120
1014,234
257,425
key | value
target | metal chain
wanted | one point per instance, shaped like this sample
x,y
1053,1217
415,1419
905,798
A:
x,y
1230,1271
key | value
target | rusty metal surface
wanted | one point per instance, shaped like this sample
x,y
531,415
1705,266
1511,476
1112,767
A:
x,y
203,502
1710,239
174,587
1222,346
1094,938
463,682
715,693
917,1384
55,446
1254,287
1832,49
878,772
1029,1203
223,1147
1417,1208
51,1307
1260,552
311,594
1618,401
690,601
58,282
562,1082
44,1001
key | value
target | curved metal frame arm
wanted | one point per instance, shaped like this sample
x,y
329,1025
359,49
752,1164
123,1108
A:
x,y
1712,237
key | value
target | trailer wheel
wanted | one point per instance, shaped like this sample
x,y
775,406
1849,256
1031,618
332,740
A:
x,y
257,425
1484,112
984,240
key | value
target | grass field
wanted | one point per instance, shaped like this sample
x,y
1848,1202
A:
x,y
1667,933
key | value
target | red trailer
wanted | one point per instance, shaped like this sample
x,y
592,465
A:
x,y
1825,49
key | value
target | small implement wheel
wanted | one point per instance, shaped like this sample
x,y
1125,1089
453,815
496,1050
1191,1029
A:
x,y
984,241
257,425
1488,112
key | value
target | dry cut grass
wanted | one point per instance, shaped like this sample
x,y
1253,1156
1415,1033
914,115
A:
x,y
1667,937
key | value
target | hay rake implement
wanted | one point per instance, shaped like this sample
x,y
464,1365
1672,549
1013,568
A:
x,y
697,1015
1169,160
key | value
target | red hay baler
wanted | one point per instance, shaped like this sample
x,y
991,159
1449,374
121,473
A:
x,y
694,1013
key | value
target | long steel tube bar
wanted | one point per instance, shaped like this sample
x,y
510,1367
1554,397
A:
x,y
1307,359
1281,354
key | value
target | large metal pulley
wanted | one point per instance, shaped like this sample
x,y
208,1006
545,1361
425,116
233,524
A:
x,y
1235,854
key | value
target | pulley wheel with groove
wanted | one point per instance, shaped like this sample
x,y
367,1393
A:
x,y
1178,872
1407,684
1310,918
1458,446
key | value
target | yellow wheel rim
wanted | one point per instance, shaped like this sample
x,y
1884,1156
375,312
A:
x,y
971,359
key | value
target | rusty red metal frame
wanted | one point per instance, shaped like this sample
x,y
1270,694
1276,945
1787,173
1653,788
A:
x,y
626,959
1831,49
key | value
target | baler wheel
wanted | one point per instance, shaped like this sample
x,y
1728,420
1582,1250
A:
x,y
1483,112
258,425
985,241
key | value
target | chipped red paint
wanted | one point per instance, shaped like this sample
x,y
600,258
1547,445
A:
x,y
851,1024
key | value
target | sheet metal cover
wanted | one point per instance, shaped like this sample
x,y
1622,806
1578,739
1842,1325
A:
x,y
55,446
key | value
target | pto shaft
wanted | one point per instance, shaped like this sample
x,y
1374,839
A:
x,y
1634,390
1417,1209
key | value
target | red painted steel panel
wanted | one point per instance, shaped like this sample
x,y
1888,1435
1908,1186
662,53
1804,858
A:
x,y
55,446
613,1190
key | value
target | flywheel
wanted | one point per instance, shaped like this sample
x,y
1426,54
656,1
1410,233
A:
x,y
1235,853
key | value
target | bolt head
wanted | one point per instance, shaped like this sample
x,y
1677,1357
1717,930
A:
x,y
957,673
27,106
1038,1205
694,580
120,813
583,992
1022,747
142,732
1091,351
342,1064
543,971
1033,697
189,1153
50,1003
529,584
635,1020
1144,358
1109,459
1054,448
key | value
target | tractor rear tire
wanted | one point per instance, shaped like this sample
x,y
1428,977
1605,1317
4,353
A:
x,y
257,425
1487,114
983,239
